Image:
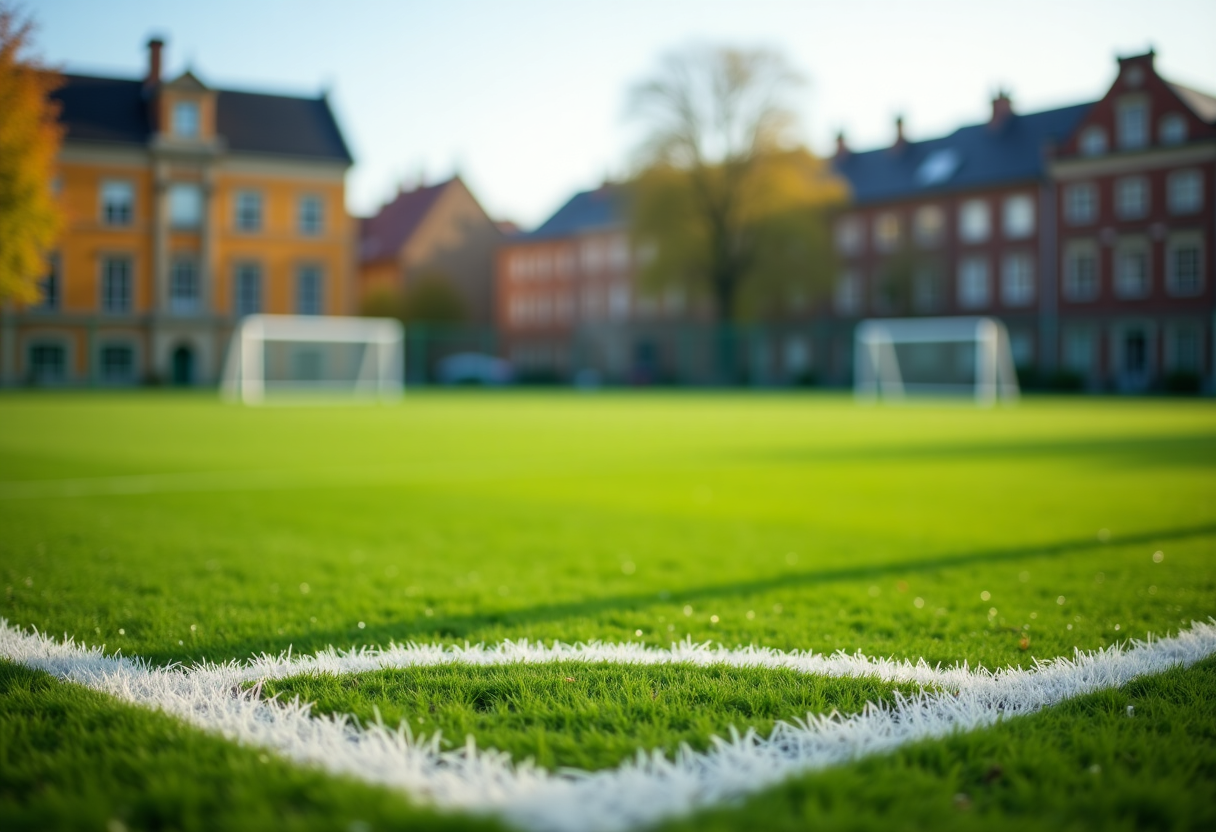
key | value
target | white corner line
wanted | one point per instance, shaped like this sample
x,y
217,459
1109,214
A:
x,y
640,791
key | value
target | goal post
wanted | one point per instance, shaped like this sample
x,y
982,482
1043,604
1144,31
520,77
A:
x,y
896,357
310,356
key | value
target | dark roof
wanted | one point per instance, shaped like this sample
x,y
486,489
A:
x,y
383,235
115,110
980,156
602,208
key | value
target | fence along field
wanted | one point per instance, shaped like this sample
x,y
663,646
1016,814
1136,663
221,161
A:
x,y
795,523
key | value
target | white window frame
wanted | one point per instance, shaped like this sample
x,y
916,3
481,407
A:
x,y
1172,129
888,231
240,216
1073,200
975,221
310,222
1175,242
928,288
850,236
929,225
1093,141
240,276
1069,287
305,272
1173,335
1125,250
1017,279
974,282
1125,188
186,127
126,345
185,303
1174,191
105,288
53,341
1073,338
1141,138
1018,216
181,195
121,212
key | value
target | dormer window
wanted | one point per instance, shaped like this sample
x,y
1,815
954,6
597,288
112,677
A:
x,y
1172,129
1093,141
185,119
1133,124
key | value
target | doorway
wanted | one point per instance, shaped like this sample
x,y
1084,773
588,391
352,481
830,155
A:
x,y
183,366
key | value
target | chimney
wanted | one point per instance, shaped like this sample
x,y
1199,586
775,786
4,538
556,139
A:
x,y
1002,108
155,45
842,149
900,141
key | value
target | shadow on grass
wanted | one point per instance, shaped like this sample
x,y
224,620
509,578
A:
x,y
457,627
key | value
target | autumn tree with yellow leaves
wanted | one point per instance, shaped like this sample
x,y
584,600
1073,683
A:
x,y
726,202
30,135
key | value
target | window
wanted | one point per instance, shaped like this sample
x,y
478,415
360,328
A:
x,y
1017,217
1081,271
1132,115
1135,351
848,236
116,284
48,287
929,225
247,289
1184,265
974,222
1017,279
309,300
1131,197
1185,191
938,167
592,256
249,211
185,119
618,300
311,216
1093,141
848,294
117,363
1172,129
618,254
973,284
183,285
1021,348
1081,203
117,203
48,363
1079,352
927,289
185,206
1185,350
1131,269
886,232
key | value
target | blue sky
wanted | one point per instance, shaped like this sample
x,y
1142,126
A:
x,y
526,99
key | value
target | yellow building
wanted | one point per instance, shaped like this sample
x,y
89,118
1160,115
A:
x,y
186,208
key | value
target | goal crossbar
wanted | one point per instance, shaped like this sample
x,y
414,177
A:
x,y
877,370
378,375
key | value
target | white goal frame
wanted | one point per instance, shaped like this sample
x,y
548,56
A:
x,y
379,377
876,364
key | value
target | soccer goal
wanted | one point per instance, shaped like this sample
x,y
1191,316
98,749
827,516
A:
x,y
897,357
289,357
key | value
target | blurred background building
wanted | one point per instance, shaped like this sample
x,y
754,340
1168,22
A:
x,y
186,208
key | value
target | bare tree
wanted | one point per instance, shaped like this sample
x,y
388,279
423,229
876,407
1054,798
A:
x,y
725,197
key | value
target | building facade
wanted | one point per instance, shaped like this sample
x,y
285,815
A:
x,y
1088,230
568,297
434,232
186,208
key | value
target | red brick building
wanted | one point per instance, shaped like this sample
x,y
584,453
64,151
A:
x,y
1087,229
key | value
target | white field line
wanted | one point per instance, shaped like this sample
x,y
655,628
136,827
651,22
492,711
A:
x,y
640,791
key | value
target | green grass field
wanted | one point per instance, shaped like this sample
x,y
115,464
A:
x,y
175,528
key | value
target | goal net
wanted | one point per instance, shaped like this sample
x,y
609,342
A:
x,y
897,357
306,356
